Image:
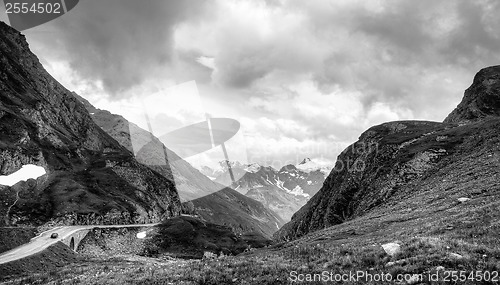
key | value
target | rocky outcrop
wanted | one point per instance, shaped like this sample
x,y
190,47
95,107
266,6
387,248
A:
x,y
393,161
90,177
481,99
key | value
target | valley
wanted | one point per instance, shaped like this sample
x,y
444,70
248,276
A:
x,y
413,200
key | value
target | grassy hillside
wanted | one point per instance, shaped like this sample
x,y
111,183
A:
x,y
438,231
437,234
14,237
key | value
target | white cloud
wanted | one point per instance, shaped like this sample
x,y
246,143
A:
x,y
206,61
380,113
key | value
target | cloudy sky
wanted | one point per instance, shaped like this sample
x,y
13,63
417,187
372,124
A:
x,y
304,78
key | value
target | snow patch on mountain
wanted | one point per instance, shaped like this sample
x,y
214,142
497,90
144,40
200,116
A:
x,y
280,183
252,168
308,165
298,191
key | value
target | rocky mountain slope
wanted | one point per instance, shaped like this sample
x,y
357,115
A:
x,y
149,150
481,99
90,177
396,161
210,200
283,191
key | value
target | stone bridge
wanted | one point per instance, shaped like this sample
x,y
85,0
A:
x,y
74,239
71,236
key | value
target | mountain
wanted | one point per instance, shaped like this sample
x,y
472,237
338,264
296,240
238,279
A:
x,y
222,172
309,165
283,191
149,150
481,99
243,214
209,172
212,201
90,178
408,160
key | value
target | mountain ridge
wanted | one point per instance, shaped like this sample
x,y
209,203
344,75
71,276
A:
x,y
481,99
90,177
395,160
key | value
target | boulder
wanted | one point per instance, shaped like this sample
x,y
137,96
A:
x,y
391,248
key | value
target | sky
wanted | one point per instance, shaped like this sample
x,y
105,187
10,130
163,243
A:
x,y
303,78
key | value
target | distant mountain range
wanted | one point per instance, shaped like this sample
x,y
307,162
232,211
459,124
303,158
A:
x,y
284,191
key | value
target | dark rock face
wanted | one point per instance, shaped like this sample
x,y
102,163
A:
x,y
481,99
393,161
90,177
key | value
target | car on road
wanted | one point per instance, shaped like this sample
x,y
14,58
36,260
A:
x,y
54,235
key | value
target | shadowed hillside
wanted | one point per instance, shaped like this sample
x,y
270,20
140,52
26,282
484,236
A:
x,y
90,177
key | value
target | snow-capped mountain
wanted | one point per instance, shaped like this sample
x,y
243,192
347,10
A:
x,y
209,172
236,166
308,165
254,167
284,191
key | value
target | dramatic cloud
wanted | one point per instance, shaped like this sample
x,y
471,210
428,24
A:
x,y
120,42
391,51
304,78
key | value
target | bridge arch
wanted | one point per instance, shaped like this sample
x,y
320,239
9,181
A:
x,y
74,239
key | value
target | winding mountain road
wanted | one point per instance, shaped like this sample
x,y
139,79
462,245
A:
x,y
43,240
